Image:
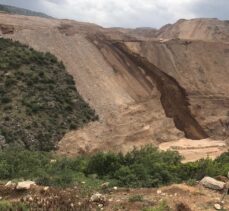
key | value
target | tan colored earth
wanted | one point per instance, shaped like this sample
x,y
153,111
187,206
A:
x,y
146,90
194,150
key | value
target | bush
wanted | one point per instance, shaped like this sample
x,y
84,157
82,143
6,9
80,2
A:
x,y
5,100
161,207
130,170
9,206
36,88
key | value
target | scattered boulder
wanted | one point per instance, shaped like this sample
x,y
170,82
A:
x,y
25,185
98,198
212,183
10,184
105,185
53,161
159,191
217,206
100,205
46,188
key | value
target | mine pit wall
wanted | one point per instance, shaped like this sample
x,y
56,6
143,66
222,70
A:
x,y
173,98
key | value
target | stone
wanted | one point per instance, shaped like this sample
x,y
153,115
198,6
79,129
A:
x,y
159,191
110,200
53,161
212,183
98,198
25,185
217,206
100,205
46,188
10,184
30,199
115,188
105,185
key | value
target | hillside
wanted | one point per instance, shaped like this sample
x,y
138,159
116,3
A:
x,y
153,91
198,29
205,29
144,91
21,11
38,99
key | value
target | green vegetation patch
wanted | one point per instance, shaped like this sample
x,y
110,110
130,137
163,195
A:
x,y
21,11
38,99
147,167
162,206
8,206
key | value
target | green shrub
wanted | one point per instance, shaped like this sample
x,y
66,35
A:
x,y
161,207
130,170
39,90
5,100
8,206
191,182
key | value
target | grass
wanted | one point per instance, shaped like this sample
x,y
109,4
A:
x,y
162,206
8,206
38,99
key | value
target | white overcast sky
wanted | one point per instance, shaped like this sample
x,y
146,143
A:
x,y
127,13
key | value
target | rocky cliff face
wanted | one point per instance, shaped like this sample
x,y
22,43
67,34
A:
x,y
146,91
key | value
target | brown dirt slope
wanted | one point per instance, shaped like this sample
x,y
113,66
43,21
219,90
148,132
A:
x,y
134,107
199,29
201,68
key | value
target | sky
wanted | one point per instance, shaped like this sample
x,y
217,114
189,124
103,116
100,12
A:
x,y
127,13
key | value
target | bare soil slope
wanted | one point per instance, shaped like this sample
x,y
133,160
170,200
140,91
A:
x,y
199,29
140,90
